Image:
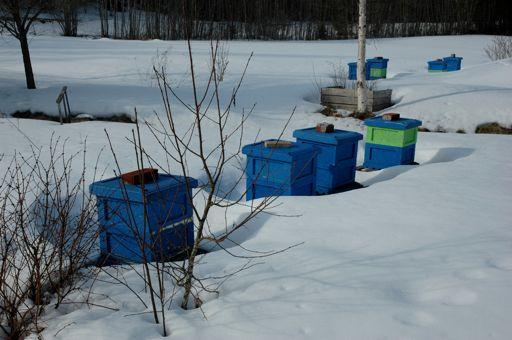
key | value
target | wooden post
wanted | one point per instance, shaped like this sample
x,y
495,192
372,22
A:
x,y
63,98
361,59
66,102
60,113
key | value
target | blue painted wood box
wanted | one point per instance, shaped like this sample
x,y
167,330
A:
x,y
164,221
437,65
380,156
336,159
376,68
352,71
453,63
283,171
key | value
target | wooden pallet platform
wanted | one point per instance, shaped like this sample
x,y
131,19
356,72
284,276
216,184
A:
x,y
346,99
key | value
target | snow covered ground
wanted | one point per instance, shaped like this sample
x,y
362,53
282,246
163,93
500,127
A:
x,y
423,252
108,77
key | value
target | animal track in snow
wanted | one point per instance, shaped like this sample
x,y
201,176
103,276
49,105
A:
x,y
444,291
502,263
475,274
417,318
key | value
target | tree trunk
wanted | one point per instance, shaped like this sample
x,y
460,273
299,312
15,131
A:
x,y
361,59
29,74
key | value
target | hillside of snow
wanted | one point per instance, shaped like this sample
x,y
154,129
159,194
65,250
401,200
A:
x,y
107,77
421,252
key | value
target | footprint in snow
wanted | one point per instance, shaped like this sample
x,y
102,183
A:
x,y
502,263
462,297
417,318
444,291
475,274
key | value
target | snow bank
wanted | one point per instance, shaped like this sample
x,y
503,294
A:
x,y
422,252
107,77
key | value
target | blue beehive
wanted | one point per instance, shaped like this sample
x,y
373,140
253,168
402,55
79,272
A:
x,y
336,158
352,71
437,65
453,63
280,171
390,142
378,67
378,156
161,216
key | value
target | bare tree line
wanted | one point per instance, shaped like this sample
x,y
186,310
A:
x,y
272,19
300,20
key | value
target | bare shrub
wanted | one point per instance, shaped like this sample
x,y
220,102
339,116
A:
x,y
215,154
339,76
499,48
221,60
48,232
161,60
212,142
154,270
372,85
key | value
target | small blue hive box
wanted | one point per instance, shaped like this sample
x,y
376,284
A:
x,y
437,65
390,142
379,156
336,159
279,168
453,63
164,221
352,71
378,67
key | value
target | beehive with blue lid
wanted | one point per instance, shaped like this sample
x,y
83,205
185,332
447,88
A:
x,y
337,156
390,141
376,68
279,168
438,65
453,63
145,222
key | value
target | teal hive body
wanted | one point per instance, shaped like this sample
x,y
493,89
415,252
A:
x,y
436,65
285,171
161,214
390,142
376,68
453,63
337,156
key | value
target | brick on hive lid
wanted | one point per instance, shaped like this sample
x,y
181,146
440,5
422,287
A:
x,y
276,144
324,127
147,175
391,116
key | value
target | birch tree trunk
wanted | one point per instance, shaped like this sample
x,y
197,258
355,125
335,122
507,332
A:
x,y
361,59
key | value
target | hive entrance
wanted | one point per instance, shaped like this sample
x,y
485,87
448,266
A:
x,y
277,144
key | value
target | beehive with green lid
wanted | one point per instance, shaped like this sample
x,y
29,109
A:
x,y
400,132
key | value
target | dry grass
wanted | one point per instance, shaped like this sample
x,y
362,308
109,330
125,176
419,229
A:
x,y
493,128
119,118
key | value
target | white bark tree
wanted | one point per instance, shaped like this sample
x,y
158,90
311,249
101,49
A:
x,y
361,60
